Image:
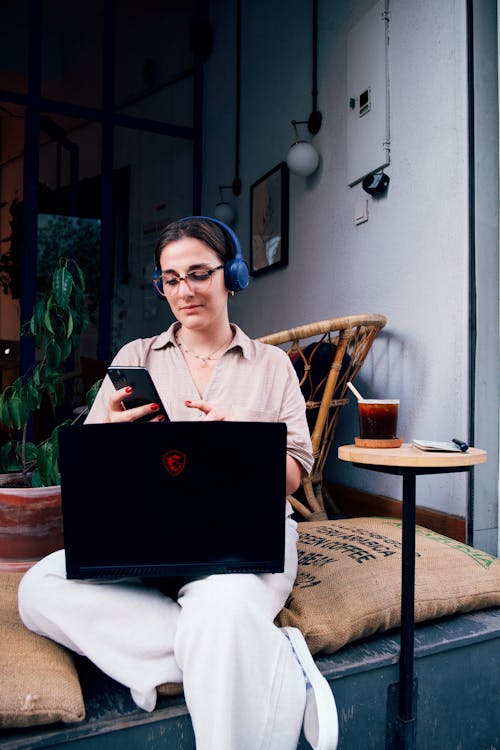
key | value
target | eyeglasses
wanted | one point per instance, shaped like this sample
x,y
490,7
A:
x,y
200,278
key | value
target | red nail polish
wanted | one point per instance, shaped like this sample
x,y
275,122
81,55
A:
x,y
161,418
187,402
154,407
128,389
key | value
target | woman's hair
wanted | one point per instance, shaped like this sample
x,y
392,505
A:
x,y
204,230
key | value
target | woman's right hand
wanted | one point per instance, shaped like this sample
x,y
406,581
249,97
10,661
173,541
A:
x,y
116,411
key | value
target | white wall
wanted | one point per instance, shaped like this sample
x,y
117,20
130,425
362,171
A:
x,y
410,260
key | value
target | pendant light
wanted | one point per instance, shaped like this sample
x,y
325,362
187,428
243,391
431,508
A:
x,y
302,157
224,211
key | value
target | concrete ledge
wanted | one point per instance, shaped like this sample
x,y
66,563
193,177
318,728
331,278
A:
x,y
457,666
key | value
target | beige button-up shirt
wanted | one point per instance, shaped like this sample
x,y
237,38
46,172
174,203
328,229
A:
x,y
256,382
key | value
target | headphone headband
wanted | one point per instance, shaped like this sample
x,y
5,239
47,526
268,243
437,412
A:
x,y
228,230
236,274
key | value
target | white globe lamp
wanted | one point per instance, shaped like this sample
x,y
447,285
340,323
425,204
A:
x,y
224,212
302,158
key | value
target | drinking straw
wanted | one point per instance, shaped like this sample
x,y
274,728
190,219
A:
x,y
355,391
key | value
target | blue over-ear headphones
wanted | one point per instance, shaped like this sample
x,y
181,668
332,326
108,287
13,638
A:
x,y
236,274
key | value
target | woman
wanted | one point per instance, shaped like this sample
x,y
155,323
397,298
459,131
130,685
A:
x,y
247,683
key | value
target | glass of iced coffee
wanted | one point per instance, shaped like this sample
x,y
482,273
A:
x,y
378,419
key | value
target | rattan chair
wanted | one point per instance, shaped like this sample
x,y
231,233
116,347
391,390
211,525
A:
x,y
326,355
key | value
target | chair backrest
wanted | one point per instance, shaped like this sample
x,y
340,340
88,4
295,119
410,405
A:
x,y
326,355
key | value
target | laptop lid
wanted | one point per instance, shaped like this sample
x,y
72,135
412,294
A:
x,y
173,499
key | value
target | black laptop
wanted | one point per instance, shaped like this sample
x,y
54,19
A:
x,y
173,498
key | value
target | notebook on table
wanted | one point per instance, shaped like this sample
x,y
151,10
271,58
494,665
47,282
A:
x,y
173,498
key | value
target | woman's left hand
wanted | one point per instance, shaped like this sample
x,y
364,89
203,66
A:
x,y
212,413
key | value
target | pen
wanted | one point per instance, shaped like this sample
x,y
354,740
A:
x,y
463,446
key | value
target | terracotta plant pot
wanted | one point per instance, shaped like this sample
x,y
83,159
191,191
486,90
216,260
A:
x,y
30,525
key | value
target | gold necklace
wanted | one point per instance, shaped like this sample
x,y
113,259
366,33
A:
x,y
208,357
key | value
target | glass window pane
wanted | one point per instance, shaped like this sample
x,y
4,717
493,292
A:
x,y
154,61
69,206
14,46
161,170
72,55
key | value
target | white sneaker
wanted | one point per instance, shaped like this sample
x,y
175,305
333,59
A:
x,y
321,724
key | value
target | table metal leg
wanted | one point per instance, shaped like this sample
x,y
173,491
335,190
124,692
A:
x,y
407,599
401,697
401,706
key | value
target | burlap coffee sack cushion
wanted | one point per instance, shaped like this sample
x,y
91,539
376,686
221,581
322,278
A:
x,y
170,688
39,683
349,580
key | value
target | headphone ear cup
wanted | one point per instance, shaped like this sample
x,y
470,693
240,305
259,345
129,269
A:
x,y
157,285
236,274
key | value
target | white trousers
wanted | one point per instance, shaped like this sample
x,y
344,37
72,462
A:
x,y
243,686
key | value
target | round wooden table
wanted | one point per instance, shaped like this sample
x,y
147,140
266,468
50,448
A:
x,y
408,462
407,456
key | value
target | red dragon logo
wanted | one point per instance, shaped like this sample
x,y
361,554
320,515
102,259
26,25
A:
x,y
174,462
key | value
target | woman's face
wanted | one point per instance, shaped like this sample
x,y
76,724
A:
x,y
195,306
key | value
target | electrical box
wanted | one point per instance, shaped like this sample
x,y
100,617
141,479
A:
x,y
368,134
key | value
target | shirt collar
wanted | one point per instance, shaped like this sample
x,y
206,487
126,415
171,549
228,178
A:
x,y
241,340
166,337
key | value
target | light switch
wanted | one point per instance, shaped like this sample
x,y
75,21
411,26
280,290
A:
x,y
361,211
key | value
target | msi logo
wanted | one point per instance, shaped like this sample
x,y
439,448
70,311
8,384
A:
x,y
174,462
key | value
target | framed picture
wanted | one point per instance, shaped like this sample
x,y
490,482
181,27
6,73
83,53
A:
x,y
269,221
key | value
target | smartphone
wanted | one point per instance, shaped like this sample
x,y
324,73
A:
x,y
144,389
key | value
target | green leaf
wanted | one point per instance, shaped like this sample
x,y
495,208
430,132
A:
x,y
38,374
14,464
36,321
4,409
59,391
66,347
70,325
5,455
31,452
16,412
62,284
79,301
53,352
33,396
48,454
80,282
10,456
46,318
53,382
36,479
92,393
46,461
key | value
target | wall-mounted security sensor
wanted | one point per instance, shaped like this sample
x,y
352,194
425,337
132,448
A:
x,y
376,184
367,89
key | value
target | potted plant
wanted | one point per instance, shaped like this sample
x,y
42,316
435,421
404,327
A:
x,y
30,502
